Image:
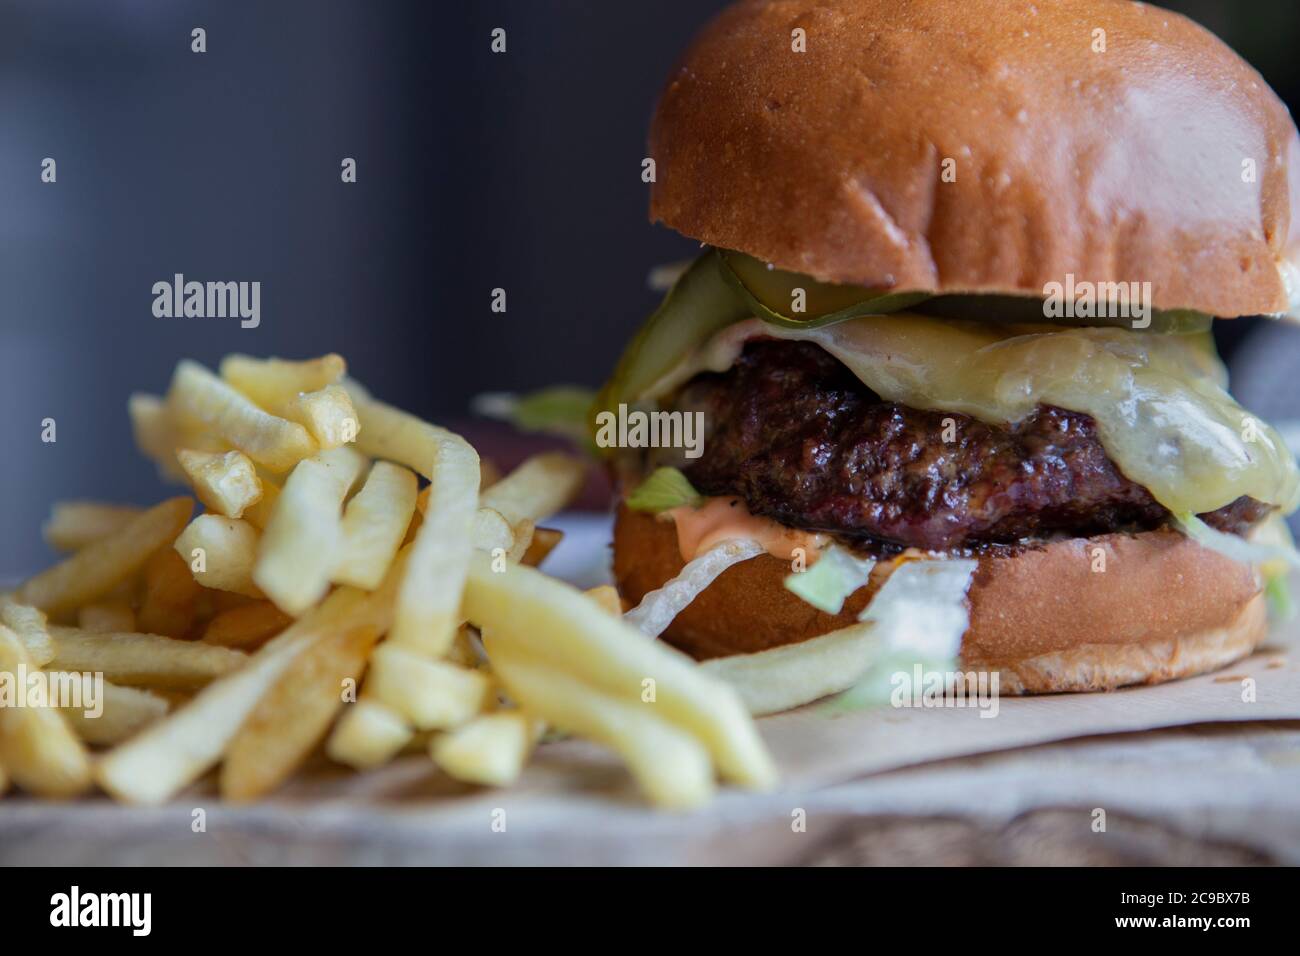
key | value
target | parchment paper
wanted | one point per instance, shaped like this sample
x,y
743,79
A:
x,y
576,804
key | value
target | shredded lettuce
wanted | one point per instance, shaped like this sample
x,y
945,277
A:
x,y
1235,547
828,583
919,615
665,488
658,608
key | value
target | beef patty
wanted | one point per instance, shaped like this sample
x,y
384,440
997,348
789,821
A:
x,y
793,433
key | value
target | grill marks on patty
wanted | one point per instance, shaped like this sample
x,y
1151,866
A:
x,y
798,437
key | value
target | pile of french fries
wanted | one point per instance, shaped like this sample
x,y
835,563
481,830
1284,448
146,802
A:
x,y
322,599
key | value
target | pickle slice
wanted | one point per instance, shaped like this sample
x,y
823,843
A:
x,y
699,304
771,295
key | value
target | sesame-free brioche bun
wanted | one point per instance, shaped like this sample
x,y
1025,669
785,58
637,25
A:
x,y
1163,607
1164,158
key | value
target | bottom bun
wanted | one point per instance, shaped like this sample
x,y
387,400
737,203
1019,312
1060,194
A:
x,y
1070,615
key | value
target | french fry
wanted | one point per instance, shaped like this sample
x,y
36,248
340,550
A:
x,y
225,482
220,553
428,604
259,513
75,524
174,752
125,710
269,440
606,596
98,568
273,383
794,674
374,524
492,532
37,748
29,626
4,780
246,627
327,414
544,541
295,714
368,735
488,474
142,660
301,546
431,695
490,749
106,616
541,486
155,434
169,596
524,608
670,765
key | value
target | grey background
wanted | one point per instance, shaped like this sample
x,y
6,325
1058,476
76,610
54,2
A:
x,y
475,171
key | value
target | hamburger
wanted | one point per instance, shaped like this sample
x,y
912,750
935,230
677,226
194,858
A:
x,y
953,314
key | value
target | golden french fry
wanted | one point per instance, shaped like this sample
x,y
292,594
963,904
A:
x,y
37,748
175,751
428,604
301,546
269,440
295,714
374,524
123,711
4,780
98,568
368,735
544,541
75,524
273,383
220,553
29,626
259,513
537,489
488,474
606,596
327,414
432,695
246,627
225,482
143,660
169,597
671,766
556,622
155,434
794,674
106,616
490,749
492,532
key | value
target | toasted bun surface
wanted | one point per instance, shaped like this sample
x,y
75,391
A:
x,y
1164,607
1127,164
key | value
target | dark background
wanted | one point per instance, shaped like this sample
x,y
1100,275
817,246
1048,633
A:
x,y
475,171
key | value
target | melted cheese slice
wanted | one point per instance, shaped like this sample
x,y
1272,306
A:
x,y
1160,401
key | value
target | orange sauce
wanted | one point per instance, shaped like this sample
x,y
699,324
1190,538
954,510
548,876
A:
x,y
723,519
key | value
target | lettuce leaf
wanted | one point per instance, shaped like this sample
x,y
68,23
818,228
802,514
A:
x,y
828,583
665,488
